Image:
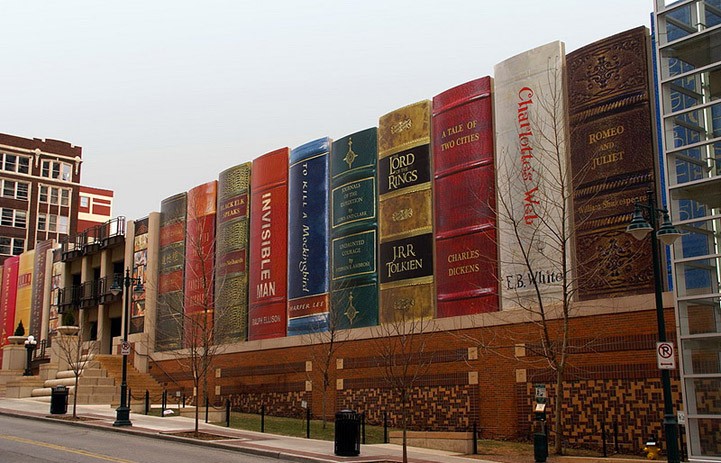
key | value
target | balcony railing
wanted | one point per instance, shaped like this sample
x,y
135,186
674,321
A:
x,y
93,239
89,294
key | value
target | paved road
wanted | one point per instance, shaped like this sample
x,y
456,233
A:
x,y
33,441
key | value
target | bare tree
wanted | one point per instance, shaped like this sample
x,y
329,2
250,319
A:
x,y
74,354
194,316
326,342
402,352
534,207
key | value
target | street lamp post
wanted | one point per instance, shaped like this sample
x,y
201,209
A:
x,y
667,233
30,344
122,416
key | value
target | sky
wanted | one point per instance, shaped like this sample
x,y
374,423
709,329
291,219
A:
x,y
162,95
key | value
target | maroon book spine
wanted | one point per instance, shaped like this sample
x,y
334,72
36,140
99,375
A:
x,y
200,261
464,194
268,245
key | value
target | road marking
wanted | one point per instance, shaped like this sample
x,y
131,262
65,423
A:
x,y
65,449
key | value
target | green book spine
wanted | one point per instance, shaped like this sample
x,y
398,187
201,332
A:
x,y
231,265
354,230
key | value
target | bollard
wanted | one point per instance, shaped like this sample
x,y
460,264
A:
x,y
227,413
475,438
262,418
363,428
183,397
206,409
385,427
307,423
147,401
615,435
603,437
163,402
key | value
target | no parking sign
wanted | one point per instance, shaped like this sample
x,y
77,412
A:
x,y
665,358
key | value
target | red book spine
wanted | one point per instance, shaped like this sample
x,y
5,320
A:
x,y
200,255
8,298
464,191
268,267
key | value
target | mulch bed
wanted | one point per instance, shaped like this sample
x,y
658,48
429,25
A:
x,y
70,418
200,435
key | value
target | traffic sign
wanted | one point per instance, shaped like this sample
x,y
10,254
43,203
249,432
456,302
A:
x,y
665,358
125,348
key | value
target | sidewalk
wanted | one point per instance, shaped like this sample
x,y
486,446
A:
x,y
282,447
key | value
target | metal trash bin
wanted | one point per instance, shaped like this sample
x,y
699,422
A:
x,y
347,433
59,400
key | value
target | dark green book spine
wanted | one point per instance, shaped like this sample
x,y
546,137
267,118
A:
x,y
354,230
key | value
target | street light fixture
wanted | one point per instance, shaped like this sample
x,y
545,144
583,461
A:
x,y
30,344
639,228
122,415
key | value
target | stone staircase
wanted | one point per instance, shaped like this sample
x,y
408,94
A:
x,y
94,384
138,382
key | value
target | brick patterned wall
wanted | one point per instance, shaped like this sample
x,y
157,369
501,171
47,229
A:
x,y
612,375
449,407
634,405
276,403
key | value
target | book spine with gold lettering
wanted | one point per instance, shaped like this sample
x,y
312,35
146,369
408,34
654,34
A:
x,y
308,238
8,295
171,268
405,206
354,231
612,160
464,193
231,249
25,289
268,267
200,262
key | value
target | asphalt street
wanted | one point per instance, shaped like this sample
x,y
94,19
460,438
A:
x,y
36,441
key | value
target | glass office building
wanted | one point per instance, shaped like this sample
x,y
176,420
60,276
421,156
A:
x,y
688,56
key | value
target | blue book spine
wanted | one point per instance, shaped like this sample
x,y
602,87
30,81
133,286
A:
x,y
308,238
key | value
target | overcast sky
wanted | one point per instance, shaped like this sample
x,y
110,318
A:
x,y
162,95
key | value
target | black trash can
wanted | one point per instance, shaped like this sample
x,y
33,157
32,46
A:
x,y
540,447
347,433
59,400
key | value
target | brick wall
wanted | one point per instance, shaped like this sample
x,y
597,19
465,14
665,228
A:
x,y
482,374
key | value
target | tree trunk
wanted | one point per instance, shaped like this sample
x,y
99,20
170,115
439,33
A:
x,y
404,407
75,396
557,417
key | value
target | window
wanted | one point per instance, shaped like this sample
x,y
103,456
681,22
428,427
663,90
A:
x,y
13,218
11,246
43,194
53,222
5,246
13,189
22,191
15,163
64,197
54,192
9,188
23,165
11,163
63,225
7,217
57,170
84,201
42,222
